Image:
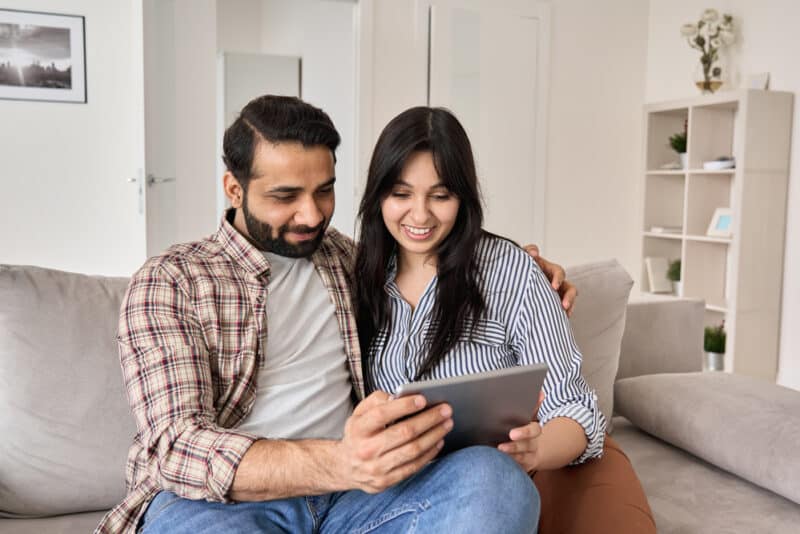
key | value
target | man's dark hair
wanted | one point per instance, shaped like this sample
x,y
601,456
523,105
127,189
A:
x,y
276,119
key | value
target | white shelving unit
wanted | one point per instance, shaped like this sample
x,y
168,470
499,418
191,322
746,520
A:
x,y
740,277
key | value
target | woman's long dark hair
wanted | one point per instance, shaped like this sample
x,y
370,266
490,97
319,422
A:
x,y
459,301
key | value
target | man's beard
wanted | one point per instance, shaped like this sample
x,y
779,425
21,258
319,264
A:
x,y
261,236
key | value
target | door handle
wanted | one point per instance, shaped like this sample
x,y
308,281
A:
x,y
138,180
152,179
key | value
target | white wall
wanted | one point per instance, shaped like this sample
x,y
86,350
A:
x,y
597,80
239,25
769,42
65,202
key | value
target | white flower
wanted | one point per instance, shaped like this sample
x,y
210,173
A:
x,y
710,15
689,30
727,37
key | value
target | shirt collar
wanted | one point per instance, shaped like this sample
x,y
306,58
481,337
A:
x,y
391,273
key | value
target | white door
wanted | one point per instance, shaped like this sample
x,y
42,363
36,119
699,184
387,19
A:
x,y
67,202
160,124
487,66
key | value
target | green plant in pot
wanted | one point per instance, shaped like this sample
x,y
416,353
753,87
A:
x,y
674,276
714,345
678,143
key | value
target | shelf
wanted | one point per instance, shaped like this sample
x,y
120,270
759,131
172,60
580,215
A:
x,y
667,172
744,124
660,235
704,171
707,239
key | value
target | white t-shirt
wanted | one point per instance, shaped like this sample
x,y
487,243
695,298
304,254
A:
x,y
304,386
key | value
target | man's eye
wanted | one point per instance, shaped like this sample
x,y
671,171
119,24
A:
x,y
325,191
284,198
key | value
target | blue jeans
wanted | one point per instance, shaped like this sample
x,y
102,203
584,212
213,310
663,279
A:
x,y
478,489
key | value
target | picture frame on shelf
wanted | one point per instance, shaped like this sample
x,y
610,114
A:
x,y
721,224
657,274
42,56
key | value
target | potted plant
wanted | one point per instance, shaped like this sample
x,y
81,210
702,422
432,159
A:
x,y
674,276
714,345
678,143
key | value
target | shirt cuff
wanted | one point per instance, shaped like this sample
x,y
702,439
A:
x,y
593,424
224,458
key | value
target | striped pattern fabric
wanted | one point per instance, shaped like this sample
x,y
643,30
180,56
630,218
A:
x,y
191,335
523,324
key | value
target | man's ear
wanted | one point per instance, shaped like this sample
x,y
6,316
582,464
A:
x,y
233,189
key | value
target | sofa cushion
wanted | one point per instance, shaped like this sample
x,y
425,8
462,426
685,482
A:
x,y
745,426
688,495
598,323
64,419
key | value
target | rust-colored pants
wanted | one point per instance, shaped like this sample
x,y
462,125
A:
x,y
600,496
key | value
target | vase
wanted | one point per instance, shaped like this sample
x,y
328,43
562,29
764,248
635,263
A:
x,y
682,156
708,75
677,288
715,361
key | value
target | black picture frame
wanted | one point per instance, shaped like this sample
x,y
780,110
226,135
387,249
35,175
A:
x,y
42,56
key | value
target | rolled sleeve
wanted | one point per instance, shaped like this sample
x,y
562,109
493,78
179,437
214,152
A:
x,y
542,334
167,372
592,422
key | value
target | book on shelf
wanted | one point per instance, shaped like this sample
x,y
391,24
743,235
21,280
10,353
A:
x,y
666,229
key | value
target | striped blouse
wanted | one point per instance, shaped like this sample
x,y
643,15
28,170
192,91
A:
x,y
523,323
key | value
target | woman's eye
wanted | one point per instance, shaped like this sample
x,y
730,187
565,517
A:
x,y
400,194
441,197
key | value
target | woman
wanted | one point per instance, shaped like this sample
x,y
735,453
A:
x,y
439,296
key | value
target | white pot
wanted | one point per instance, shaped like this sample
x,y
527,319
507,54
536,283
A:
x,y
677,288
684,160
715,361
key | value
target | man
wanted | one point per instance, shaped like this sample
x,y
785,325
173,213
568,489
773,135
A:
x,y
241,362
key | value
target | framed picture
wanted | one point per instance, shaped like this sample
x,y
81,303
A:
x,y
42,56
657,274
721,223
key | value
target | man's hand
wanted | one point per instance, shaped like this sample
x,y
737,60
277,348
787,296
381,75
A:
x,y
377,452
557,276
524,446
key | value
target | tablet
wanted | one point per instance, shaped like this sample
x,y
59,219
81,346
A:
x,y
486,406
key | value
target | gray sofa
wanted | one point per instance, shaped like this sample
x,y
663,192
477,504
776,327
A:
x,y
714,452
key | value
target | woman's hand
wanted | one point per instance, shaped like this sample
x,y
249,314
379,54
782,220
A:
x,y
524,446
557,276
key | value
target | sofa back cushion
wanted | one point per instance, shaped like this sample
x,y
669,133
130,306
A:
x,y
64,419
598,323
746,426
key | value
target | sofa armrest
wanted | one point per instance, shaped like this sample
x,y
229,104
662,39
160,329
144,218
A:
x,y
662,335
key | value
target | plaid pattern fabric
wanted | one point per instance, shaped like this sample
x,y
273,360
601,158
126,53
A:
x,y
191,333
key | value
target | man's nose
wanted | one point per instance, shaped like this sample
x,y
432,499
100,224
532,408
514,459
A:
x,y
309,214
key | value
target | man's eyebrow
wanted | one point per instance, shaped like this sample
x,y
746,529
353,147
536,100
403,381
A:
x,y
328,183
286,189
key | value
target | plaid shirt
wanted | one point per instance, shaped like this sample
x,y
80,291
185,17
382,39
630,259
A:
x,y
192,331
